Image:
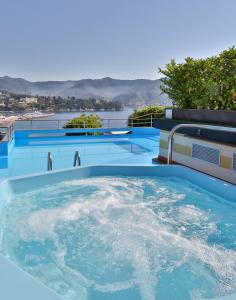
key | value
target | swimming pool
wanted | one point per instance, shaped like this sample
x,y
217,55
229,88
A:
x,y
123,232
29,155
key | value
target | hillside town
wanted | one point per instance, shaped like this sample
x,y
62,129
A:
x,y
23,107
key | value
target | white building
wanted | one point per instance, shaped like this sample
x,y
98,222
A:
x,y
29,100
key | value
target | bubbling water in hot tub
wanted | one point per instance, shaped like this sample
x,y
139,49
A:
x,y
124,238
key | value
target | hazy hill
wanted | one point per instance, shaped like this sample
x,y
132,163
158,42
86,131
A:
x,y
129,92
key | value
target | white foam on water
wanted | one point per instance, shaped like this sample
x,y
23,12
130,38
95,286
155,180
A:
x,y
113,234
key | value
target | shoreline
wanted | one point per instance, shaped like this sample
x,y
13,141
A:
x,y
32,116
6,116
25,116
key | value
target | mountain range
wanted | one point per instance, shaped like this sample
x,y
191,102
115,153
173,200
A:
x,y
132,93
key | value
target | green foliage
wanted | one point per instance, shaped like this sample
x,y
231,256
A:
x,y
202,83
142,117
84,121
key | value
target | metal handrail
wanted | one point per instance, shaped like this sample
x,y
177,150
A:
x,y
39,124
63,120
150,114
66,120
49,165
102,119
77,160
209,127
106,122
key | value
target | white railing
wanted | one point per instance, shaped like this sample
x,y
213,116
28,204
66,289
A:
x,y
105,123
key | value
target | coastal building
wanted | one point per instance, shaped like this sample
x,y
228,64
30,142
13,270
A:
x,y
29,100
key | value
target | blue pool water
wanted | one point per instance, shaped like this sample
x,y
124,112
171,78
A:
x,y
116,238
32,157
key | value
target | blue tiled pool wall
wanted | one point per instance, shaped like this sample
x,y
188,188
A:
x,y
6,147
26,183
5,151
24,137
211,184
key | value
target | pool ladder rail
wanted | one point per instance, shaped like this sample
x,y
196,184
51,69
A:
x,y
77,160
49,168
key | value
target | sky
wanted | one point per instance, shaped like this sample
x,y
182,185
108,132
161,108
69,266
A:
x,y
126,39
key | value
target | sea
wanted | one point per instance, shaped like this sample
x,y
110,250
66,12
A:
x,y
110,118
124,114
58,120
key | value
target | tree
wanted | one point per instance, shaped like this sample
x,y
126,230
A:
x,y
84,121
142,117
202,83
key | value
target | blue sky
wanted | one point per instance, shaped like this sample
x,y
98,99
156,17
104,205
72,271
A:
x,y
74,39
